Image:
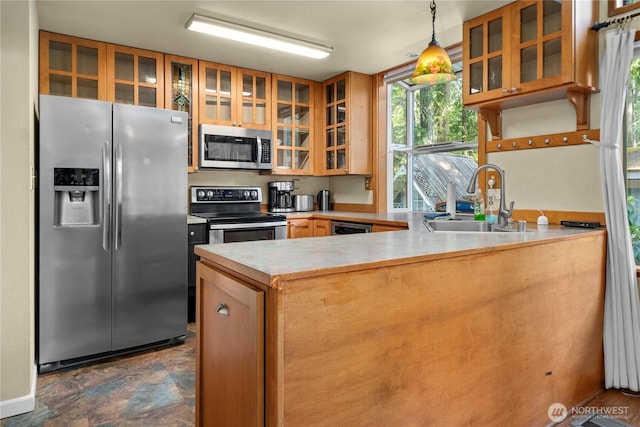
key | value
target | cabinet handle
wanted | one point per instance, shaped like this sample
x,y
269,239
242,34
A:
x,y
514,89
222,309
505,90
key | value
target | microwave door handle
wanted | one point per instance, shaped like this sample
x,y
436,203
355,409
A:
x,y
259,149
106,195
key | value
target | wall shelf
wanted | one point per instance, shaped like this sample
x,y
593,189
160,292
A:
x,y
563,139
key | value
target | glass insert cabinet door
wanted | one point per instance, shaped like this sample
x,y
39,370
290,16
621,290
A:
x,y
231,96
135,76
217,90
181,94
486,56
253,103
293,110
540,44
72,67
336,125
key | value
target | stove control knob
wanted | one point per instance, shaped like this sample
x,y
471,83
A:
x,y
254,195
210,194
246,195
200,194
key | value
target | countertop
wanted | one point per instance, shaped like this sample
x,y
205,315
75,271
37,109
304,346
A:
x,y
274,261
413,220
195,220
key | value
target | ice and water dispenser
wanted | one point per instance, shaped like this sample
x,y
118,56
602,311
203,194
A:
x,y
76,197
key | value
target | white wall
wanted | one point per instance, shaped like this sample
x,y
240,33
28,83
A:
x,y
344,189
558,178
19,87
302,184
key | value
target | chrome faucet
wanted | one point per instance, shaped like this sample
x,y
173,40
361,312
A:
x,y
504,214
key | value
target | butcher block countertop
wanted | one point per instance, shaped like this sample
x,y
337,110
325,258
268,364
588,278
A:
x,y
275,261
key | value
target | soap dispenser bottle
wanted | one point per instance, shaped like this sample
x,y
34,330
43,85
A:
x,y
491,216
478,207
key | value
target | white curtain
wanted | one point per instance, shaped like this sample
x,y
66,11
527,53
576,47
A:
x,y
621,311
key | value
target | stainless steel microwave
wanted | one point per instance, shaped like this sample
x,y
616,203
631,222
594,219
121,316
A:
x,y
230,147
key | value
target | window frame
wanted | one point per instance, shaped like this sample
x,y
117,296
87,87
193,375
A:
x,y
616,9
396,76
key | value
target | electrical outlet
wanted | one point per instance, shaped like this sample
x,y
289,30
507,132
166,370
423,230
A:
x,y
367,183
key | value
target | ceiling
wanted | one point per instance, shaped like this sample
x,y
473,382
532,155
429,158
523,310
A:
x,y
368,36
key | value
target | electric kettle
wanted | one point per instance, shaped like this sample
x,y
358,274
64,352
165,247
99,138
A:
x,y
323,200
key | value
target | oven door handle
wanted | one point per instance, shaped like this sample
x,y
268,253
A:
x,y
247,225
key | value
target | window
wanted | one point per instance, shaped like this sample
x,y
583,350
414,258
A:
x,y
632,152
432,141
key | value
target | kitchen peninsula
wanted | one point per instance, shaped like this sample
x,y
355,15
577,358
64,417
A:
x,y
400,328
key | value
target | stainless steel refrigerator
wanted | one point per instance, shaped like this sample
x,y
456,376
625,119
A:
x,y
112,229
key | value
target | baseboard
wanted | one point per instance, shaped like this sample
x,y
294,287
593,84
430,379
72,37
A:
x,y
20,405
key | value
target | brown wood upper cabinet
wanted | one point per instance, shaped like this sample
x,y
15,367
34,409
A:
x,y
293,125
233,96
528,52
71,66
181,94
135,76
345,148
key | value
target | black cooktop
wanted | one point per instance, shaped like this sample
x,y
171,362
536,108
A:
x,y
239,217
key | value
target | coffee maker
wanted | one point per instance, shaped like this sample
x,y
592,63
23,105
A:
x,y
280,199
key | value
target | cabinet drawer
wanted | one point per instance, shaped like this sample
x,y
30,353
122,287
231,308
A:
x,y
197,233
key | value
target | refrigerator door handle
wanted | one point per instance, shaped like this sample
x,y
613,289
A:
x,y
118,196
106,195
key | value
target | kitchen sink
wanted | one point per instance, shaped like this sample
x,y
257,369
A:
x,y
457,225
470,226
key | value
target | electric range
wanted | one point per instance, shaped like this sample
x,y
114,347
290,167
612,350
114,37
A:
x,y
234,214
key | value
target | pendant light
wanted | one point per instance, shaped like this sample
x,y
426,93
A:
x,y
434,65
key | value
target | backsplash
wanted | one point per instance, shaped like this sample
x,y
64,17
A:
x,y
344,189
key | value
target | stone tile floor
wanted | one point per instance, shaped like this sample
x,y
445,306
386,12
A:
x,y
152,388
157,388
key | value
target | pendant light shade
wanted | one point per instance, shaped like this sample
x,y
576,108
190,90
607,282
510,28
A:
x,y
434,65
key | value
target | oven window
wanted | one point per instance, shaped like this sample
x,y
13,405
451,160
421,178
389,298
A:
x,y
228,148
248,235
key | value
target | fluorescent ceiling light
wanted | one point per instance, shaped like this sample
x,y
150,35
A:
x,y
257,37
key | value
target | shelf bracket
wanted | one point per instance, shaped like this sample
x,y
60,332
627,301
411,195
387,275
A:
x,y
494,119
582,104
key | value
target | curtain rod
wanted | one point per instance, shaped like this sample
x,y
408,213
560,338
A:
x,y
600,25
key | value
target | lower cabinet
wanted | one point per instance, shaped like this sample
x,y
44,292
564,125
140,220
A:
x,y
321,227
230,352
299,227
318,227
